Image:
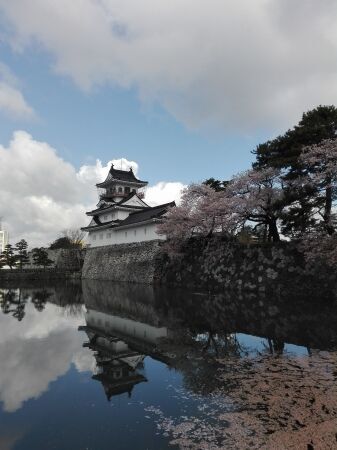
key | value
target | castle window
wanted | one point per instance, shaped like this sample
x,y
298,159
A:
x,y
127,190
145,230
120,189
108,235
135,232
105,217
126,234
133,190
94,237
101,236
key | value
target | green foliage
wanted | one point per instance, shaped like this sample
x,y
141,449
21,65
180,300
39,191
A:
x,y
284,151
298,219
62,242
40,258
217,185
22,253
252,234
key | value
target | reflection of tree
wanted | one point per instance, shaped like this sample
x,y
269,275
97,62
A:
x,y
39,299
275,346
73,309
305,322
68,295
221,344
214,323
13,301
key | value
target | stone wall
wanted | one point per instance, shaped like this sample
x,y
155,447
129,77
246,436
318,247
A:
x,y
134,262
69,259
219,264
216,264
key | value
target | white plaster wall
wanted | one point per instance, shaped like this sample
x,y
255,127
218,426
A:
x,y
126,236
115,215
135,201
110,324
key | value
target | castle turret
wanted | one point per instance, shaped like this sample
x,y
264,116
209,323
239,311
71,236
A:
x,y
119,184
121,215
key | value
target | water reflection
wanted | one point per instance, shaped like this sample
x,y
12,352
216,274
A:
x,y
192,331
36,348
13,299
309,323
215,325
211,371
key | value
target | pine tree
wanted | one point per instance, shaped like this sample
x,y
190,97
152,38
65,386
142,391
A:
x,y
22,253
284,153
40,258
9,257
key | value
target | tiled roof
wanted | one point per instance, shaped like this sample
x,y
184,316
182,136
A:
x,y
135,217
146,214
101,225
120,203
120,175
102,208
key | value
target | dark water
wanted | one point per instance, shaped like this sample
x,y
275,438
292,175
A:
x,y
102,366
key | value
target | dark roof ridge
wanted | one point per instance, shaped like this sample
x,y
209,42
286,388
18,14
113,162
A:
x,y
132,194
122,176
154,207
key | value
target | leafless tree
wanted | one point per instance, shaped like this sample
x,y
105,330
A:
x,y
75,236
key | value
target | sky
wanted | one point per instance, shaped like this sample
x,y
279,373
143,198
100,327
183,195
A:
x,y
183,90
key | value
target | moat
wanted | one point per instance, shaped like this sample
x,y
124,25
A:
x,y
101,365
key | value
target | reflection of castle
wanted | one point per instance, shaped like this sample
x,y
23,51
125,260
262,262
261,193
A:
x,y
191,332
120,346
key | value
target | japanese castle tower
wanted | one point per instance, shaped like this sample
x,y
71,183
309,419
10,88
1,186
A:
x,y
121,215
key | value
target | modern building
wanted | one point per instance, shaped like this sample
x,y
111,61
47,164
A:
x,y
3,239
121,215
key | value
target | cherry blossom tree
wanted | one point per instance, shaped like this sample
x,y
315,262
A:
x,y
320,165
319,249
252,196
263,197
202,212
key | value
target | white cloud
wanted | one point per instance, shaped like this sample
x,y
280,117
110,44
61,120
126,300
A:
x,y
92,173
41,194
227,63
12,102
37,351
164,192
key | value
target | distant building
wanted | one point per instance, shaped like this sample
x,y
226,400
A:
x,y
3,239
121,215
